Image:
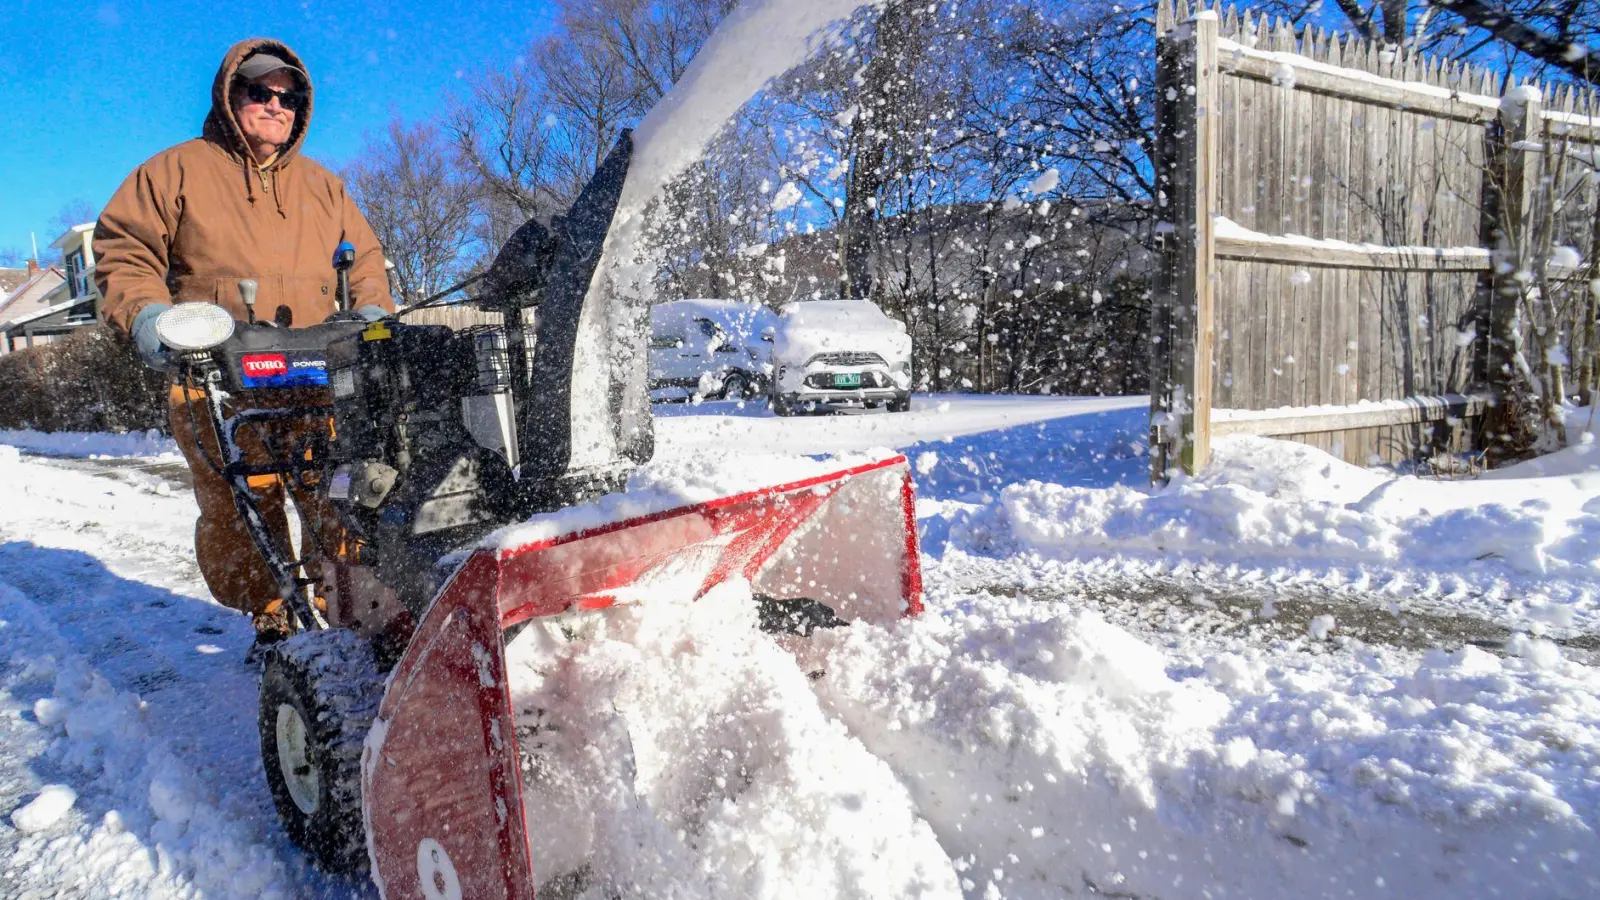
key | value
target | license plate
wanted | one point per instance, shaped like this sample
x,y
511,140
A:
x,y
852,380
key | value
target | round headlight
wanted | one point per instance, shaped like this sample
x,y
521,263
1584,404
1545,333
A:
x,y
194,326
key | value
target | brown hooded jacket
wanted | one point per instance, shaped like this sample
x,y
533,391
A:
x,y
193,220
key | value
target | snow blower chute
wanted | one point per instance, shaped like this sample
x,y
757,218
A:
x,y
480,484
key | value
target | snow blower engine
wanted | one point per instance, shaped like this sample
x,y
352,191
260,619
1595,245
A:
x,y
386,725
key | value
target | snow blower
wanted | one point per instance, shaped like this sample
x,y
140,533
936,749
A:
x,y
479,484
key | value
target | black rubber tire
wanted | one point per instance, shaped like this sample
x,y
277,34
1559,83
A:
x,y
735,387
782,406
329,679
900,403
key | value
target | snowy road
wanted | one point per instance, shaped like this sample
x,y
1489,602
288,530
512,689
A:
x,y
1234,684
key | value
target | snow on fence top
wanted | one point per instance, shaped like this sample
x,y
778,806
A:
x,y
1263,33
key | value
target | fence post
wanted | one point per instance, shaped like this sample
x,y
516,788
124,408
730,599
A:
x,y
1182,329
1510,234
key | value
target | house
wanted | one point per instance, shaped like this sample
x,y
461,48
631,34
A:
x,y
26,298
70,302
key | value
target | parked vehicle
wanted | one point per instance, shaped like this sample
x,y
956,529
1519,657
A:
x,y
713,348
840,354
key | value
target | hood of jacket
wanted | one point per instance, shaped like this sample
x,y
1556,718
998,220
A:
x,y
222,128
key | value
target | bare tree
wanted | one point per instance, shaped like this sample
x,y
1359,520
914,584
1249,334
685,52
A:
x,y
76,212
530,136
506,147
418,203
651,40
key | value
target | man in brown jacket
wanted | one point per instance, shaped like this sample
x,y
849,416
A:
x,y
191,222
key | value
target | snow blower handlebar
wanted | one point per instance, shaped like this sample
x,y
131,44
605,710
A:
x,y
218,358
344,257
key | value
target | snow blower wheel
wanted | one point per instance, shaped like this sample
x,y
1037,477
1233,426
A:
x,y
319,694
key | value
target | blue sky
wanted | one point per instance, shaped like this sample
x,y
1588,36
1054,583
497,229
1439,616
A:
x,y
92,90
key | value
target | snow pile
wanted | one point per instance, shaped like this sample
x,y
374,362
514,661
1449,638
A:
x,y
1029,736
1264,500
1003,747
92,445
685,755
159,831
1051,751
1583,455
44,810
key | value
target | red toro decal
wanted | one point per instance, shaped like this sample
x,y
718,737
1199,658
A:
x,y
261,365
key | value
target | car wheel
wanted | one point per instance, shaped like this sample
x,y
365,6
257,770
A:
x,y
781,405
900,403
735,387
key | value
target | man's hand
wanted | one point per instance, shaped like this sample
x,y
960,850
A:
x,y
143,331
372,313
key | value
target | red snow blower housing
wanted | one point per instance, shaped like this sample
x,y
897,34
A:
x,y
386,726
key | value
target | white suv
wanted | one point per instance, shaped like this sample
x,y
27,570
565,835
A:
x,y
839,354
710,348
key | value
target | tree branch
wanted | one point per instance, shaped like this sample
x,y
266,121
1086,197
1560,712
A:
x,y
1572,58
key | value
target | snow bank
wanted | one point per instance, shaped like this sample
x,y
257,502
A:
x,y
1004,747
1052,752
685,756
159,832
1264,500
92,444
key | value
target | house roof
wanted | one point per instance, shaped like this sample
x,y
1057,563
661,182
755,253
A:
x,y
34,288
10,280
72,232
46,312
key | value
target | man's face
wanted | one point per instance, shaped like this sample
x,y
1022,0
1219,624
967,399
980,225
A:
x,y
266,123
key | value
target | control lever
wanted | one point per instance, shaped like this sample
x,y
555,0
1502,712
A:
x,y
344,257
247,293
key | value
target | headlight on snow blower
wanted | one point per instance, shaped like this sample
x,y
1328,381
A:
x,y
193,326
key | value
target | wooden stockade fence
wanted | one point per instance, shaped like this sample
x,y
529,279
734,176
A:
x,y
1332,215
458,316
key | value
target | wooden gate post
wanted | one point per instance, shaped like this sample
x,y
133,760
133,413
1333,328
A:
x,y
1188,185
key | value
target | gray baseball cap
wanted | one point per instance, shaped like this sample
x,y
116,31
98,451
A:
x,y
263,63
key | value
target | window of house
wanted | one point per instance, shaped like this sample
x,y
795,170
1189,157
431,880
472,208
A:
x,y
77,274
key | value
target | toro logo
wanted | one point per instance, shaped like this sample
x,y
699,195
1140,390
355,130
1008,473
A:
x,y
265,365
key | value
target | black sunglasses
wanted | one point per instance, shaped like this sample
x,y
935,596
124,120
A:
x,y
259,93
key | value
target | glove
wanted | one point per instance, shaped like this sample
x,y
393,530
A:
x,y
143,331
372,313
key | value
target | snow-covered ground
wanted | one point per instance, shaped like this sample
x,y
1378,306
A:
x,y
1288,677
